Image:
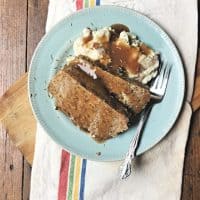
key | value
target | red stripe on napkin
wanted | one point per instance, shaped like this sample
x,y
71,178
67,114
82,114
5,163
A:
x,y
63,181
79,4
65,157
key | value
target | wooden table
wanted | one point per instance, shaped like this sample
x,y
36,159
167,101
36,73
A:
x,y
22,25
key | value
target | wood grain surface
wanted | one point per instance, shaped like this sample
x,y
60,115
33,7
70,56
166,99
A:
x,y
191,174
12,61
22,24
18,119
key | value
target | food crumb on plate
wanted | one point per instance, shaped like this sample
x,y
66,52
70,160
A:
x,y
98,153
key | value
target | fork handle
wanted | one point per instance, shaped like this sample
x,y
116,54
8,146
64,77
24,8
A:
x,y
125,168
135,141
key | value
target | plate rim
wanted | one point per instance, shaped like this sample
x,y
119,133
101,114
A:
x,y
153,24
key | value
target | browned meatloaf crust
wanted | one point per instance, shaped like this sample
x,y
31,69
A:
x,y
133,95
87,110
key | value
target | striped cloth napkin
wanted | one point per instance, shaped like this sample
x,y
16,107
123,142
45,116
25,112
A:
x,y
57,174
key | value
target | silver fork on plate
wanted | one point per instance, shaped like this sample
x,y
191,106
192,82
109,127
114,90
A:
x,y
157,89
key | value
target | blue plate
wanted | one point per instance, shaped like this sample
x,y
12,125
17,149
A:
x,y
50,56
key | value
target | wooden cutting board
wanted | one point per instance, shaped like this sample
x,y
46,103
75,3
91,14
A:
x,y
17,117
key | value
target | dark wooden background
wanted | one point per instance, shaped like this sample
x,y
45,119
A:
x,y
22,24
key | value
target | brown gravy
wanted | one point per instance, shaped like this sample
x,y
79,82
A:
x,y
119,28
145,49
118,54
124,56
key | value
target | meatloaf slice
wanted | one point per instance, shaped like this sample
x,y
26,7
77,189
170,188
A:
x,y
133,95
86,110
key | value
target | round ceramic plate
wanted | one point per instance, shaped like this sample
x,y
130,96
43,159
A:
x,y
50,56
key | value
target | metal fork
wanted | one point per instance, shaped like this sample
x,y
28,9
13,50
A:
x,y
157,89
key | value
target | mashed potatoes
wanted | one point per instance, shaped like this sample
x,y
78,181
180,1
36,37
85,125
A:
x,y
138,60
91,44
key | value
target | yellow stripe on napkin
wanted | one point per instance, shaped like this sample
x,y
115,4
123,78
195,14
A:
x,y
92,3
78,163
